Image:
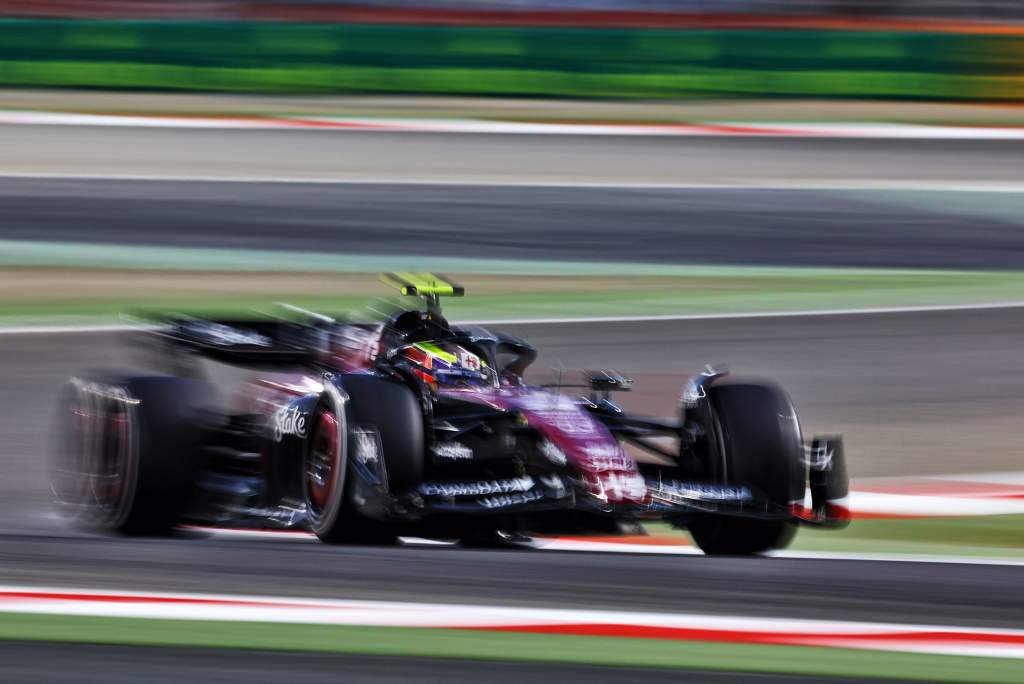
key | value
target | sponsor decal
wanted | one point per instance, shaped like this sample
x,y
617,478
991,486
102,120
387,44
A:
x,y
623,486
549,451
705,492
819,458
226,336
604,456
289,420
693,391
573,422
357,341
366,446
554,483
468,360
545,401
480,488
452,451
507,500
558,412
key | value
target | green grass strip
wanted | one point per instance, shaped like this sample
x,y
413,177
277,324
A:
x,y
511,646
990,536
624,289
714,296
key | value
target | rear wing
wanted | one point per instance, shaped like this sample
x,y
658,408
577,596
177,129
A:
x,y
427,285
423,284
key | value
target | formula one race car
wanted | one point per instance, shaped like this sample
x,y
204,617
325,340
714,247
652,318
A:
x,y
365,432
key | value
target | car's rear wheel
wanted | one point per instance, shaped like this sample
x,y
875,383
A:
x,y
126,455
384,408
323,474
757,444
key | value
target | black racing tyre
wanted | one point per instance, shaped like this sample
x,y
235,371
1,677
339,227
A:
x,y
391,410
127,451
760,446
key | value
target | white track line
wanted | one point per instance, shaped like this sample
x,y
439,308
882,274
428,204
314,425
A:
x,y
84,329
911,638
65,329
396,613
469,181
491,127
926,506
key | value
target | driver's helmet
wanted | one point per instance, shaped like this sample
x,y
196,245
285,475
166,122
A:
x,y
442,364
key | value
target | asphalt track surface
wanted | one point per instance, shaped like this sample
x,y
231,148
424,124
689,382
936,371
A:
x,y
766,227
88,663
870,376
334,154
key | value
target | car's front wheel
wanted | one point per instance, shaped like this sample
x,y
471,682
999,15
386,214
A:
x,y
758,444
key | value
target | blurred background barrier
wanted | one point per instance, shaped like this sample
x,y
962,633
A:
x,y
279,57
531,11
